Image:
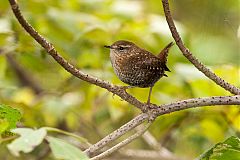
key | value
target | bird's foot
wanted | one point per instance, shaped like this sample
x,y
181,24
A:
x,y
113,95
149,109
125,87
148,106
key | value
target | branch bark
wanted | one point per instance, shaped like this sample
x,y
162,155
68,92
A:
x,y
165,109
118,90
148,154
117,133
187,53
122,144
153,110
159,149
196,102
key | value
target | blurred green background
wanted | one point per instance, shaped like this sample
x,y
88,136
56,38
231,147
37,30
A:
x,y
47,95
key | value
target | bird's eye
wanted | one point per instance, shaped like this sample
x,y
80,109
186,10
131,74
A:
x,y
121,48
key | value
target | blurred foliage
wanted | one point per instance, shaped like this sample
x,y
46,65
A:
x,y
47,95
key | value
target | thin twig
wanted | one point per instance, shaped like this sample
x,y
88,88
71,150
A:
x,y
186,52
147,154
120,91
164,109
8,138
152,142
122,144
117,133
154,112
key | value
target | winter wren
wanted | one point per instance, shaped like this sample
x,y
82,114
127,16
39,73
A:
x,y
136,66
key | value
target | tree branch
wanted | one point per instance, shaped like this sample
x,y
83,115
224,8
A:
x,y
154,110
147,154
117,133
186,52
122,144
196,102
153,143
164,109
120,91
159,149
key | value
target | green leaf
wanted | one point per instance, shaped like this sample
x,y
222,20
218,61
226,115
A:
x,y
8,118
227,150
63,150
27,141
3,125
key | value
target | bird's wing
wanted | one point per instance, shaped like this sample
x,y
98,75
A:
x,y
150,64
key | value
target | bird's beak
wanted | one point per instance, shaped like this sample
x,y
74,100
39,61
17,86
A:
x,y
107,46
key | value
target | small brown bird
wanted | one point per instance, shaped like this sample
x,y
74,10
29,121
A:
x,y
136,66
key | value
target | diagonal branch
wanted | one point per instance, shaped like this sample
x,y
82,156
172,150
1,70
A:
x,y
159,149
147,154
161,110
153,143
187,53
117,133
120,91
122,144
154,111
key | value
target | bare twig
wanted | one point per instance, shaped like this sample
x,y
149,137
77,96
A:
x,y
152,142
117,133
147,154
122,144
154,111
164,109
186,52
120,91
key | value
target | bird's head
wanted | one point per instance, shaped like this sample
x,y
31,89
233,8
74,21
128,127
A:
x,y
122,47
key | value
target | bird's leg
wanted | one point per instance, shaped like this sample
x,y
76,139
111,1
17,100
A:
x,y
149,95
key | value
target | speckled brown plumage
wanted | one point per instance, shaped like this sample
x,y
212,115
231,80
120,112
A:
x,y
136,66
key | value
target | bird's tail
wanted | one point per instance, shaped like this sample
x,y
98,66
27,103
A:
x,y
163,55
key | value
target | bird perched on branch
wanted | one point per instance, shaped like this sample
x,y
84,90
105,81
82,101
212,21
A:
x,y
136,66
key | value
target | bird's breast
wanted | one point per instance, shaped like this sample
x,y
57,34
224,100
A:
x,y
118,62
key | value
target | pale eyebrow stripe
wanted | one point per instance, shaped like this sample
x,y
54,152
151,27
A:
x,y
126,46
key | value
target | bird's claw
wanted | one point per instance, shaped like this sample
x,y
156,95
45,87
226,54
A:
x,y
149,109
113,95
